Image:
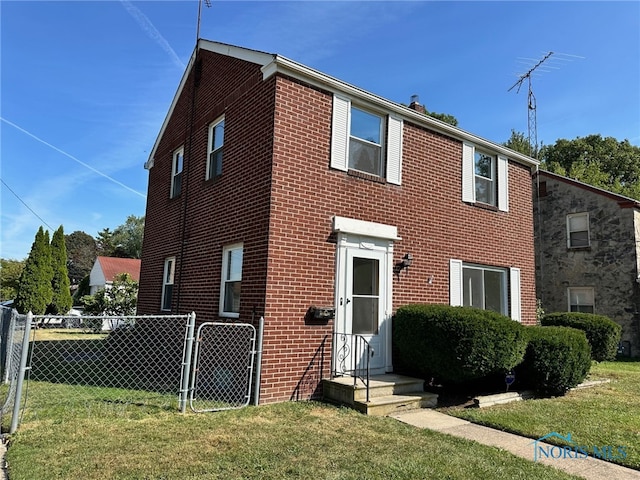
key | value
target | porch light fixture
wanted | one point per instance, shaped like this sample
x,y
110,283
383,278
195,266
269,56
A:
x,y
406,261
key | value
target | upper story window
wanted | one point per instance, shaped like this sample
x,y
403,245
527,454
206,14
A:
x,y
581,299
176,172
231,281
484,178
366,141
485,287
214,149
578,230
167,282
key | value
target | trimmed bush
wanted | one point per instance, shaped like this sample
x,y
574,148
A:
x,y
602,333
557,359
456,344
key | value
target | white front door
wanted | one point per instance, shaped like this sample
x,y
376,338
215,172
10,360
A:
x,y
363,304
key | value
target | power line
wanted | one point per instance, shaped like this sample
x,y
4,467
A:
x,y
24,203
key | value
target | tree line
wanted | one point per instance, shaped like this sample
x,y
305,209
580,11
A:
x,y
39,282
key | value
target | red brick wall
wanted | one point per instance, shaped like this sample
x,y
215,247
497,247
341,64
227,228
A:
x,y
278,195
195,226
435,226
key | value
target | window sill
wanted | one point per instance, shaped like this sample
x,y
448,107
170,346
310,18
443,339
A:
x,y
579,249
484,206
229,315
366,176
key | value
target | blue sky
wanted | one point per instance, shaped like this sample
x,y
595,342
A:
x,y
85,85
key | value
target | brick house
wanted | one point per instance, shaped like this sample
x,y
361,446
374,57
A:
x,y
274,188
588,253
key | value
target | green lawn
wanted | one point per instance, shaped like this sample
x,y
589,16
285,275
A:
x,y
607,414
101,439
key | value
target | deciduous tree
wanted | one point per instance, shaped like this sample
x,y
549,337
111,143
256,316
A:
x,y
10,271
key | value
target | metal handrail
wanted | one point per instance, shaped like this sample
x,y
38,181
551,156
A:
x,y
354,346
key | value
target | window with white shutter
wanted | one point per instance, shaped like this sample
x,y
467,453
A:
x,y
484,178
363,140
485,287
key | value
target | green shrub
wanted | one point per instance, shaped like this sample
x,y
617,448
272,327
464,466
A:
x,y
557,359
602,333
456,344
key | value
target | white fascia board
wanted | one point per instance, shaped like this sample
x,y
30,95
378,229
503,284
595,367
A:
x,y
253,56
368,229
318,79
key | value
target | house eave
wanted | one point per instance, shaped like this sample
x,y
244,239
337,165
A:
x,y
273,64
284,66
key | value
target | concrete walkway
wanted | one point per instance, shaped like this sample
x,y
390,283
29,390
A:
x,y
589,468
3,459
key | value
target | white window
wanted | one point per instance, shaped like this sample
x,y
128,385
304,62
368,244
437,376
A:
x,y
214,149
581,299
578,230
485,287
366,141
484,178
176,172
231,281
167,282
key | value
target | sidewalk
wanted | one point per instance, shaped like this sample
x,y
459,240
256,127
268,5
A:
x,y
588,468
3,460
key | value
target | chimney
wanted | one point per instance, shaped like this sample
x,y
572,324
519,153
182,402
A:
x,y
415,104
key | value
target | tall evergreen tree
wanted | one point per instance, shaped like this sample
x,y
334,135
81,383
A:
x,y
61,301
34,288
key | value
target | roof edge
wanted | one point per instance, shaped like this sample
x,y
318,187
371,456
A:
x,y
623,201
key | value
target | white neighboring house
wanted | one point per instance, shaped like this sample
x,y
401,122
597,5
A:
x,y
105,269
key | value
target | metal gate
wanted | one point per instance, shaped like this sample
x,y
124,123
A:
x,y
223,366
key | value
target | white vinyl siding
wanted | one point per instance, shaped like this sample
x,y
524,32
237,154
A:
x,y
394,151
499,172
341,135
514,287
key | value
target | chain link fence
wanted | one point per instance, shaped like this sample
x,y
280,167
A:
x,y
103,364
14,337
223,366
125,360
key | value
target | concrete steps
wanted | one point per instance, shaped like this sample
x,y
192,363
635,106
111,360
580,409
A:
x,y
388,394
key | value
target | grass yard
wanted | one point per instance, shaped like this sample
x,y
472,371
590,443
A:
x,y
106,440
607,414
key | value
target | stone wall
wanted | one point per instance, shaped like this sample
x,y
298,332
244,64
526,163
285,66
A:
x,y
610,264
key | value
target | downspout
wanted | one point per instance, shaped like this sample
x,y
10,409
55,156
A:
x,y
197,71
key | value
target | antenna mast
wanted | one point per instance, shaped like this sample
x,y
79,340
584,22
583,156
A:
x,y
531,105
208,4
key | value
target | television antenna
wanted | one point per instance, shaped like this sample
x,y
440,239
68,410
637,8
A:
x,y
531,105
208,4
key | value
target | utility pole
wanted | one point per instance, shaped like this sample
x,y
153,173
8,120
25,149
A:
x,y
531,105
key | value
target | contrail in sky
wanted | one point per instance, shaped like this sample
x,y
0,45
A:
x,y
73,158
152,31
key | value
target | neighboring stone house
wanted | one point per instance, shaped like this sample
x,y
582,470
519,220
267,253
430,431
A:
x,y
588,253
274,188
105,269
